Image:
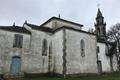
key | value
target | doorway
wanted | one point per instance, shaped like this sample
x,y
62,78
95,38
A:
x,y
15,65
99,66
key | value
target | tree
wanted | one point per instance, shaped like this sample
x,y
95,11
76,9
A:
x,y
113,36
91,30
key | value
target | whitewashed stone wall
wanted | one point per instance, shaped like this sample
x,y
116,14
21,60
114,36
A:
x,y
31,53
105,60
58,52
7,51
35,62
75,63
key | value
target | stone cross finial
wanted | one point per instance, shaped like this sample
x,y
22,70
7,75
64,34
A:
x,y
14,24
59,15
25,21
98,5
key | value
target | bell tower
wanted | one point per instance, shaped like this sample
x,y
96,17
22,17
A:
x,y
100,26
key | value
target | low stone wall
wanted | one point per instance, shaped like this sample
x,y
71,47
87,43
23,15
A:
x,y
13,77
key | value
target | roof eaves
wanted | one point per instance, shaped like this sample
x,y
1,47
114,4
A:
x,y
15,29
74,30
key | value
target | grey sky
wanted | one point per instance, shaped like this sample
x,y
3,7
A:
x,y
38,11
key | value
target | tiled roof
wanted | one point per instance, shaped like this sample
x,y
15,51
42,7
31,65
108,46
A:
x,y
36,27
80,25
19,29
15,29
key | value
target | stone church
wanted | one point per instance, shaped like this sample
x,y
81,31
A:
x,y
57,46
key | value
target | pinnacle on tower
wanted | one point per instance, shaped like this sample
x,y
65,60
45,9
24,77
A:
x,y
99,14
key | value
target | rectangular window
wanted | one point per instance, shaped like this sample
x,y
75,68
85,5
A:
x,y
18,41
98,50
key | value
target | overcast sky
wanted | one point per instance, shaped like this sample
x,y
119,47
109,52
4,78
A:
x,y
38,11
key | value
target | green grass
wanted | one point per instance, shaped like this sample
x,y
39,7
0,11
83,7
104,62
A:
x,y
112,76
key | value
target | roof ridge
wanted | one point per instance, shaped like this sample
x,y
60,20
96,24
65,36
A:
x,y
62,20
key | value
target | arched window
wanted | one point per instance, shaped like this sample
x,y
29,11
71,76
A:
x,y
44,47
82,48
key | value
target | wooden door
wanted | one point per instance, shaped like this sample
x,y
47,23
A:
x,y
15,65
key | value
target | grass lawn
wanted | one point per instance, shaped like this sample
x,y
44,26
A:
x,y
112,76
